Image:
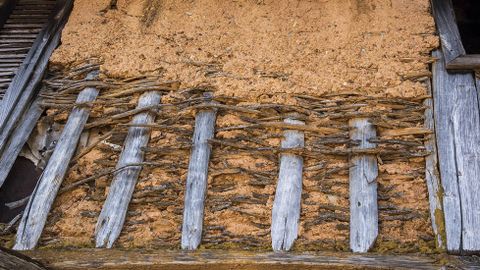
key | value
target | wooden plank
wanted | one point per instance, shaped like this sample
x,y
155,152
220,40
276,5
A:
x,y
363,189
18,139
24,84
114,211
287,203
447,28
225,259
457,124
26,96
443,94
10,259
432,175
196,187
40,203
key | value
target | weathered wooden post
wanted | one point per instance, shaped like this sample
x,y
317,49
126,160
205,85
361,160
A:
x,y
457,128
114,211
40,203
197,179
432,175
18,139
286,206
363,189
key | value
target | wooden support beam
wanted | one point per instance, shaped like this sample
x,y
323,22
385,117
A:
x,y
114,211
432,175
197,179
363,189
40,203
242,260
18,139
287,203
457,126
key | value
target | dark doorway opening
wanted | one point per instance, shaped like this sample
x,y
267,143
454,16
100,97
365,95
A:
x,y
467,13
19,184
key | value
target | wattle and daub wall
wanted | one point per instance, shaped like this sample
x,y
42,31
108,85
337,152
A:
x,y
323,62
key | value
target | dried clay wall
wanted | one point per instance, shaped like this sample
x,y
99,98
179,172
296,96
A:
x,y
323,62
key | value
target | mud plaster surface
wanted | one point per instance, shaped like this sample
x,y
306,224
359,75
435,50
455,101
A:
x,y
263,51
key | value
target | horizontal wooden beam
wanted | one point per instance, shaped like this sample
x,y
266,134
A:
x,y
465,62
222,260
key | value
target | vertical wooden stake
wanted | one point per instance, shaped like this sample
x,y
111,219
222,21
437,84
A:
x,y
432,175
363,189
286,206
197,179
112,216
40,203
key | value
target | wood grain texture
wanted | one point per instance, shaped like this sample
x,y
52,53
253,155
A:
x,y
223,260
18,139
432,175
40,203
114,211
197,179
363,189
20,92
447,29
287,203
457,124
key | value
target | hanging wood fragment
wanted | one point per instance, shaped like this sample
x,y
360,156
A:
x,y
432,175
112,216
36,212
197,179
363,189
286,206
18,139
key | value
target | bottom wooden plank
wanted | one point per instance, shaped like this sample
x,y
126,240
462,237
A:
x,y
13,260
220,259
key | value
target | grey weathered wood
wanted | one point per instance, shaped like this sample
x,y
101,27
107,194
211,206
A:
x,y
447,28
457,125
10,259
40,203
197,179
18,139
432,175
363,189
20,92
287,203
112,216
443,94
